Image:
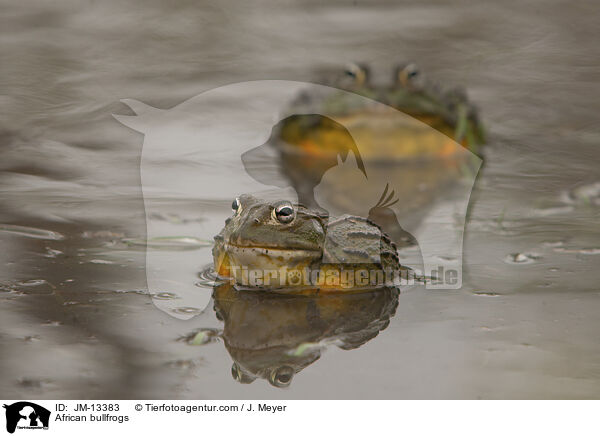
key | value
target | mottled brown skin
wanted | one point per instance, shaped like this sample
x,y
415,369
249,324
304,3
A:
x,y
255,239
267,334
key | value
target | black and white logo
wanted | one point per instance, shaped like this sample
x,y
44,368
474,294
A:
x,y
26,415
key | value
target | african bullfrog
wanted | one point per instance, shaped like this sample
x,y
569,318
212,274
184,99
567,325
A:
x,y
448,111
280,245
412,92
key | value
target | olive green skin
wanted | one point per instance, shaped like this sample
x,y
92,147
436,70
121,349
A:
x,y
448,110
265,333
312,239
253,225
441,109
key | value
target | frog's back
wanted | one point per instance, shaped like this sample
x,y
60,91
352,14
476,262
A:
x,y
354,240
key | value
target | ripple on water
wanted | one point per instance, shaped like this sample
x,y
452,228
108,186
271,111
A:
x,y
185,364
589,251
586,251
50,323
557,210
208,278
31,232
33,282
486,294
29,287
164,296
174,218
101,234
584,194
553,244
132,291
504,227
522,258
51,253
177,243
101,261
187,310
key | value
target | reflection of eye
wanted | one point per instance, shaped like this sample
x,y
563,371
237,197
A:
x,y
412,71
284,213
235,205
239,376
282,376
236,373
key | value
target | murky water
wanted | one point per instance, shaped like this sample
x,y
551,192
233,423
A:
x,y
76,320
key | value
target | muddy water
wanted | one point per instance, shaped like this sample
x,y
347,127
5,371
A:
x,y
76,320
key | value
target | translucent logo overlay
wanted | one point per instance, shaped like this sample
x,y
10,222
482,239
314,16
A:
x,y
334,151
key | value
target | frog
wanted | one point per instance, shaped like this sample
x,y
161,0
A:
x,y
448,110
411,91
282,246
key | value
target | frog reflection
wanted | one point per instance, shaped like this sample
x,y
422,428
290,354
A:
x,y
275,336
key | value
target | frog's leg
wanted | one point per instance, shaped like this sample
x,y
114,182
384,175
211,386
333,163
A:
x,y
469,131
460,131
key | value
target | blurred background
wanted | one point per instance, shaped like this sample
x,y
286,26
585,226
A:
x,y
75,319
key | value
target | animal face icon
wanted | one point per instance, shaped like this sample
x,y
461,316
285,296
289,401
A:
x,y
26,414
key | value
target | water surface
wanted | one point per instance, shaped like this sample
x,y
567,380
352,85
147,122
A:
x,y
76,321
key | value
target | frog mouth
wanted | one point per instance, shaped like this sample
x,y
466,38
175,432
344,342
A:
x,y
282,254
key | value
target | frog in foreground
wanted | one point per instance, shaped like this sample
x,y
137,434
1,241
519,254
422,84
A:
x,y
280,245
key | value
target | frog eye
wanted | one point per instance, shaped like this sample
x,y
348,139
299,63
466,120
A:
x,y
358,73
406,74
281,377
239,376
235,205
352,70
284,213
412,74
